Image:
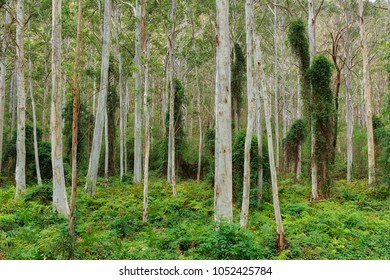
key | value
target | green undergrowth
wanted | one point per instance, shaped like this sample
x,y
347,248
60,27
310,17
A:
x,y
354,223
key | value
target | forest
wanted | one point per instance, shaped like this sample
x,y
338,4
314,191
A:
x,y
195,129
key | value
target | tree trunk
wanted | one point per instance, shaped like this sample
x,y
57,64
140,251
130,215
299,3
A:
x,y
147,136
122,128
60,201
299,115
367,95
106,148
36,153
348,84
90,185
276,85
251,111
20,172
259,121
2,85
138,97
312,50
75,123
200,145
171,142
223,127
275,192
45,136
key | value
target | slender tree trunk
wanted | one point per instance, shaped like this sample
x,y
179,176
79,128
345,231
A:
x,y
275,192
147,137
45,136
251,111
122,129
171,141
223,126
20,172
12,101
138,97
299,114
60,201
200,145
75,122
106,148
276,80
312,50
259,121
90,185
2,85
349,101
36,152
367,95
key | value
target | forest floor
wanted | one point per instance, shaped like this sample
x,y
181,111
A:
x,y
353,224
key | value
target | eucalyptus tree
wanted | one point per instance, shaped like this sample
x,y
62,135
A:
x,y
223,128
60,201
367,95
276,84
138,96
20,172
251,110
3,72
90,185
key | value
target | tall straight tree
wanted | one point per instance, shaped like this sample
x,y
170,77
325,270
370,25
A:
x,y
367,96
274,179
90,185
60,201
312,51
75,119
171,133
2,84
276,84
138,96
20,172
251,111
348,84
223,127
146,136
30,78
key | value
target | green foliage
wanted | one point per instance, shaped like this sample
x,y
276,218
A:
x,y
294,139
44,149
297,37
323,116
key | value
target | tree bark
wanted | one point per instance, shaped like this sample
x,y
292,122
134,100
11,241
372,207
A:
x,y
36,152
75,121
275,192
223,128
171,139
146,136
348,84
367,95
90,185
276,85
20,172
312,50
251,111
138,97
2,85
60,201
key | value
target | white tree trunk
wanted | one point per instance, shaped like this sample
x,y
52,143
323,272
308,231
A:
x,y
90,185
20,172
106,147
147,137
200,145
171,139
276,85
275,192
367,95
312,50
36,153
259,121
251,111
60,201
122,139
2,86
349,101
138,98
299,115
223,129
45,93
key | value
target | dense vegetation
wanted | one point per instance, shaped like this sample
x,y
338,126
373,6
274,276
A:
x,y
353,224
